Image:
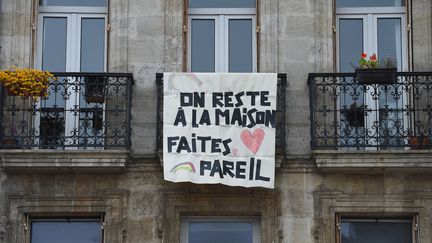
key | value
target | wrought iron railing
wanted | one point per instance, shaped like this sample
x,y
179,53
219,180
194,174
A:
x,y
350,113
82,111
280,112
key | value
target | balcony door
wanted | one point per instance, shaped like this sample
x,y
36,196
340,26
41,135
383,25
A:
x,y
222,36
71,41
379,31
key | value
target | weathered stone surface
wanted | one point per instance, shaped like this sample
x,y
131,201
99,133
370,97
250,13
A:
x,y
146,37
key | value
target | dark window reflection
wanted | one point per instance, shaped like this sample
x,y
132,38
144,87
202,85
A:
x,y
376,231
369,3
222,4
87,3
66,231
216,232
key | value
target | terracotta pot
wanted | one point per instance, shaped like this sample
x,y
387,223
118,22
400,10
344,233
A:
x,y
10,143
419,142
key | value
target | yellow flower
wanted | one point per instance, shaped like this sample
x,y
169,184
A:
x,y
26,82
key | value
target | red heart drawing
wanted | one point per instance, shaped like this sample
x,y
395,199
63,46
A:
x,y
252,140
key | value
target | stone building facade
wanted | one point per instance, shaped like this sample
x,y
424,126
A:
x,y
326,190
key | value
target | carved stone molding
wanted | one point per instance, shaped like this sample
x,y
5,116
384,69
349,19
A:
x,y
19,206
330,204
178,204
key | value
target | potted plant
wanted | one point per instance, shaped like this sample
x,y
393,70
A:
x,y
94,89
355,115
372,71
419,142
26,82
10,139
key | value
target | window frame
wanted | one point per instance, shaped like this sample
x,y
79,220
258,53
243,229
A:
x,y
74,16
370,17
222,17
340,218
41,217
184,224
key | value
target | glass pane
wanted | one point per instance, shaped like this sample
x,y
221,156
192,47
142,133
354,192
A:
x,y
376,232
369,3
87,3
350,43
216,232
52,114
66,231
351,95
222,3
391,97
92,44
240,45
54,44
203,45
390,39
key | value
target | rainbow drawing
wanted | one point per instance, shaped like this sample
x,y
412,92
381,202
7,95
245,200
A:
x,y
187,166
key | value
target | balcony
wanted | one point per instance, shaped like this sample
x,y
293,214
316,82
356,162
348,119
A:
x,y
280,115
84,113
387,119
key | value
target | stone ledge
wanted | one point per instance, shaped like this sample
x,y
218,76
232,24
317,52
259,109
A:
x,y
373,161
64,160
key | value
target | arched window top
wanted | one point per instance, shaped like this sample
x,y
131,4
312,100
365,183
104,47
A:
x,y
86,3
221,3
369,3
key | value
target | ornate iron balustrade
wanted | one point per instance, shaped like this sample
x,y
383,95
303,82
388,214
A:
x,y
82,110
280,112
349,113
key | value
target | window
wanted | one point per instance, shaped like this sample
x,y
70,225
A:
x,y
222,36
369,3
359,230
72,38
88,3
372,27
66,230
216,230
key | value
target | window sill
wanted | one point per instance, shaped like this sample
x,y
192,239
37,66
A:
x,y
373,161
64,160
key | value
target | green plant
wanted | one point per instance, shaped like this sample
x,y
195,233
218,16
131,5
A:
x,y
388,62
372,62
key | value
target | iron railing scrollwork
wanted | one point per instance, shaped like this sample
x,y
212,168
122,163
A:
x,y
280,112
348,114
82,110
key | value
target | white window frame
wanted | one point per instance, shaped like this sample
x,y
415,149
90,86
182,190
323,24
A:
x,y
74,16
221,17
370,18
184,225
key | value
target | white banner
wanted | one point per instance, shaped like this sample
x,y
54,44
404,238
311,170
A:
x,y
220,128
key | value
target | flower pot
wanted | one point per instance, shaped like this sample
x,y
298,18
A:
x,y
9,93
94,99
355,116
419,142
94,90
376,76
10,143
